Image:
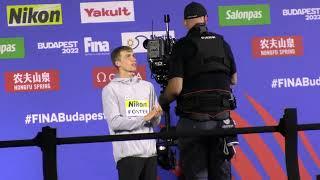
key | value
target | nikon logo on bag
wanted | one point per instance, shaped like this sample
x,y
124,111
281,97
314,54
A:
x,y
244,15
34,15
11,48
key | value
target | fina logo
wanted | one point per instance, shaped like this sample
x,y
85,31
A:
x,y
207,37
95,47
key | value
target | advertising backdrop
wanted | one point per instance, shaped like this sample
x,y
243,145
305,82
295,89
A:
x,y
55,60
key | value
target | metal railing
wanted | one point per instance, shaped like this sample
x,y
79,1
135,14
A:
x,y
288,127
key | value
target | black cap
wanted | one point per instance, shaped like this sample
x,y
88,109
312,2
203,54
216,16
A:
x,y
194,10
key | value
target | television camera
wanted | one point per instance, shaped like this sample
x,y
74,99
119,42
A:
x,y
159,50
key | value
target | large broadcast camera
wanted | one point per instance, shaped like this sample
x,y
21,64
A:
x,y
158,53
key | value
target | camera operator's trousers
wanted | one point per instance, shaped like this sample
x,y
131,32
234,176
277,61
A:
x,y
202,157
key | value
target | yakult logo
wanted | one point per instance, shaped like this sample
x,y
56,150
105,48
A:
x,y
100,12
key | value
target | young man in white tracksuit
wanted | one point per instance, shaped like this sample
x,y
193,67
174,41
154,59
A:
x,y
130,106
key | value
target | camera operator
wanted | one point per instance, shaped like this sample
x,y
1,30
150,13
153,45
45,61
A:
x,y
201,73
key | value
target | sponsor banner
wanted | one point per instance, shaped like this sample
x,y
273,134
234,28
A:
x,y
244,15
61,117
34,15
30,81
103,75
94,47
310,14
113,11
277,46
135,39
295,82
11,48
64,47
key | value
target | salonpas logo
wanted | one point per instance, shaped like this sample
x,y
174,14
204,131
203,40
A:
x,y
244,15
34,15
11,48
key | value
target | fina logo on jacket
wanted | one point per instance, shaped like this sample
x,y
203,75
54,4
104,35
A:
x,y
208,37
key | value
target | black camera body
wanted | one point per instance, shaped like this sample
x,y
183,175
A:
x,y
158,53
155,48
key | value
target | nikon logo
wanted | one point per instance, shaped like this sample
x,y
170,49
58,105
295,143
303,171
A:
x,y
34,15
137,104
244,15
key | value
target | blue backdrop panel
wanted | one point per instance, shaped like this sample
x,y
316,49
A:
x,y
54,53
